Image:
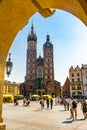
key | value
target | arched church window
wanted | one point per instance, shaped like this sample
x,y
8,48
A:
x,y
48,53
39,74
47,59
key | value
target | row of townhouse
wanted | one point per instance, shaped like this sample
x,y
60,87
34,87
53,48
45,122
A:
x,y
78,80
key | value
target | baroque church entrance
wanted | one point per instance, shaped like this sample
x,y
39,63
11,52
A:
x,y
15,14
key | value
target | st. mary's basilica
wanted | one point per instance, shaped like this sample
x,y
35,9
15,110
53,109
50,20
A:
x,y
39,77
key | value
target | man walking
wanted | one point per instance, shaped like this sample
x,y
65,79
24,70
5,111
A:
x,y
74,110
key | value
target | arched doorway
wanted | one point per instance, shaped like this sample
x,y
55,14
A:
x,y
15,15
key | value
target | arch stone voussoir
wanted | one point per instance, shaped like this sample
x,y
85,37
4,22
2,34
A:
x,y
76,7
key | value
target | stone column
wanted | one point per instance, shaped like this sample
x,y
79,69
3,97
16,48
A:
x,y
2,124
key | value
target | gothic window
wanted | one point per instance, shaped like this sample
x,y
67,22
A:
x,y
48,53
78,79
40,73
77,74
48,59
72,75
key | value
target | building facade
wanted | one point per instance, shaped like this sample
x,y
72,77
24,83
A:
x,y
39,77
76,84
57,88
11,88
66,88
84,78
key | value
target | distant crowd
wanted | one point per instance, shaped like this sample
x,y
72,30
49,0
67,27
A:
x,y
69,104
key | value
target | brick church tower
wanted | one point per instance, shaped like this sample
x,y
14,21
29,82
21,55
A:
x,y
30,78
48,66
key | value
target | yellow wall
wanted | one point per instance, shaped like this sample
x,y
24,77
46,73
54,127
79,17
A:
x,y
11,88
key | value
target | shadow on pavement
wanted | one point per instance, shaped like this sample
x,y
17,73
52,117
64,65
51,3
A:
x,y
70,121
82,119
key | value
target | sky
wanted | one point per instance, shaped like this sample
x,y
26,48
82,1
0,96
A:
x,y
68,35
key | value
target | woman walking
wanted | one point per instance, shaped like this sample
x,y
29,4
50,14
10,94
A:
x,y
84,108
51,103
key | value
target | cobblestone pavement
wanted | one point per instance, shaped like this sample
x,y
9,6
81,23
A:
x,y
32,118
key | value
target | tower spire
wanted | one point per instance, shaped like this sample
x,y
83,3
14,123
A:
x,y
32,28
32,35
48,37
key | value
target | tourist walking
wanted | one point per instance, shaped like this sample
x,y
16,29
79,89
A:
x,y
51,103
74,110
67,104
84,108
64,103
24,100
15,102
47,102
42,103
70,107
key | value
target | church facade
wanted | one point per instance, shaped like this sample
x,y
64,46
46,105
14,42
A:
x,y
39,77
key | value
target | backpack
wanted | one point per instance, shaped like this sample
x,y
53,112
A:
x,y
74,105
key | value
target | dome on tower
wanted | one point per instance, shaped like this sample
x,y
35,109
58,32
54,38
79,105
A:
x,y
32,35
48,44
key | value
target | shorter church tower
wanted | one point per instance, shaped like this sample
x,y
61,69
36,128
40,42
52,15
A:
x,y
48,66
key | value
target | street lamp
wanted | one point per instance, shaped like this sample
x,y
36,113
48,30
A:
x,y
9,65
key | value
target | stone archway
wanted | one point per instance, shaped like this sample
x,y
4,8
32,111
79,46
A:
x,y
15,14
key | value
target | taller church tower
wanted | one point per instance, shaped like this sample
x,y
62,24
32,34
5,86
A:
x,y
31,61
